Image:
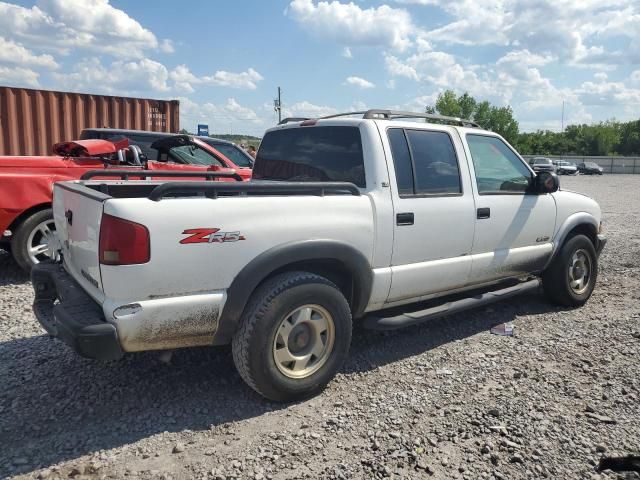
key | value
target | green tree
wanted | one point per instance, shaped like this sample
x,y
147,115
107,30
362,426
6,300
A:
x,y
497,119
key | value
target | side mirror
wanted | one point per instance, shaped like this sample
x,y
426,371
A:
x,y
546,182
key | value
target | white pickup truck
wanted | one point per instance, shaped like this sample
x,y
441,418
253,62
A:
x,y
373,218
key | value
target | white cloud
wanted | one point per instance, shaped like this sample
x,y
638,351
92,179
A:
x,y
19,77
229,117
63,25
397,68
635,77
185,80
566,29
605,93
166,46
120,78
307,109
346,53
359,82
11,52
349,23
525,57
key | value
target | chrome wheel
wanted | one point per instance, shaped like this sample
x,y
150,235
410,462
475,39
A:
x,y
579,271
304,341
40,242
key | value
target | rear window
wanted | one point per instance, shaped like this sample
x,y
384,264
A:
x,y
311,154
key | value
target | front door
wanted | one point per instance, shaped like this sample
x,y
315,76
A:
x,y
513,227
433,213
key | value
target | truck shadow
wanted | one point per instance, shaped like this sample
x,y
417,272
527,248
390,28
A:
x,y
57,406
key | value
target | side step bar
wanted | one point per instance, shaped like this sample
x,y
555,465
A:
x,y
413,318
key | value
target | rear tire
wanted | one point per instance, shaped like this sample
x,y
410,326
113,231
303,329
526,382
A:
x,y
30,241
571,277
294,336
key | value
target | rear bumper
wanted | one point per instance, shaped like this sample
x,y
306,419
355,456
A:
x,y
76,318
600,243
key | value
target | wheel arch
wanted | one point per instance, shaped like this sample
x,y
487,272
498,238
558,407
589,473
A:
x,y
578,223
339,262
26,214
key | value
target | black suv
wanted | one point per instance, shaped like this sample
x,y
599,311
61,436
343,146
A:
x,y
144,139
589,168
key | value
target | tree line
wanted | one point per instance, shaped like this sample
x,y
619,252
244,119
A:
x,y
603,138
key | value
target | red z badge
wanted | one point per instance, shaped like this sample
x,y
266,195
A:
x,y
210,235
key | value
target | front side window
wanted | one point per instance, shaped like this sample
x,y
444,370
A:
x,y
311,154
425,162
498,169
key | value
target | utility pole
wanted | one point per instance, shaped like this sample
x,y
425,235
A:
x,y
277,106
562,116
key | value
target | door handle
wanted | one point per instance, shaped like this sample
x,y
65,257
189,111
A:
x,y
405,218
484,213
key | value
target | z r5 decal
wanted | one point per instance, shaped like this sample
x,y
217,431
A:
x,y
210,235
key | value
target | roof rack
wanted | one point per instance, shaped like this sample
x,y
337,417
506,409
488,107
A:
x,y
292,119
391,115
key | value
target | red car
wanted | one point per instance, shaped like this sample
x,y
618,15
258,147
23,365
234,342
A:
x,y
26,183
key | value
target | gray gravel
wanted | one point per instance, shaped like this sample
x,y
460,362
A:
x,y
442,400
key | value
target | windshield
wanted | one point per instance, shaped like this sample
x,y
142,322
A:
x,y
311,154
192,155
233,153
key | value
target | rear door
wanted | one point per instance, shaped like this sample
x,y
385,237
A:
x,y
513,227
433,212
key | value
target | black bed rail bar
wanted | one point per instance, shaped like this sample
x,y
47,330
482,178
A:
x,y
211,190
126,174
376,114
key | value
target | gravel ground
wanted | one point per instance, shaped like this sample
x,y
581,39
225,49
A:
x,y
442,400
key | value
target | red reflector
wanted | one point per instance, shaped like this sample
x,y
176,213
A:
x,y
123,242
309,123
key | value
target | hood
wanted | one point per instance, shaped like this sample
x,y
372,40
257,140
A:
x,y
89,148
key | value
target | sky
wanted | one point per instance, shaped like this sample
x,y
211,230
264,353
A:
x,y
225,59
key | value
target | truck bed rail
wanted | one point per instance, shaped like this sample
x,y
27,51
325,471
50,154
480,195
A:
x,y
212,190
126,174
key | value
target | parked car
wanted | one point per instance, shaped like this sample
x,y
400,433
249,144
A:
x,y
564,167
589,168
144,139
542,164
26,219
346,220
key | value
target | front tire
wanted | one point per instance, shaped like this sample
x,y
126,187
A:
x,y
294,336
571,277
31,242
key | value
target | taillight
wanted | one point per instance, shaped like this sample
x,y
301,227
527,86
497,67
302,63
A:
x,y
123,242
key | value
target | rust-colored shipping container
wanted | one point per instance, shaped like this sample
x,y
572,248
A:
x,y
31,121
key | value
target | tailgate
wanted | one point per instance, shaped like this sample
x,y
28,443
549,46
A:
x,y
77,211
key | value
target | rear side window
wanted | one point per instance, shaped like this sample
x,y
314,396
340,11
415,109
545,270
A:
x,y
311,154
425,162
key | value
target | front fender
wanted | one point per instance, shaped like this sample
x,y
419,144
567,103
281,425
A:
x,y
571,222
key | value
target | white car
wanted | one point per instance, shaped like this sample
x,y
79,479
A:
x,y
345,218
564,167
